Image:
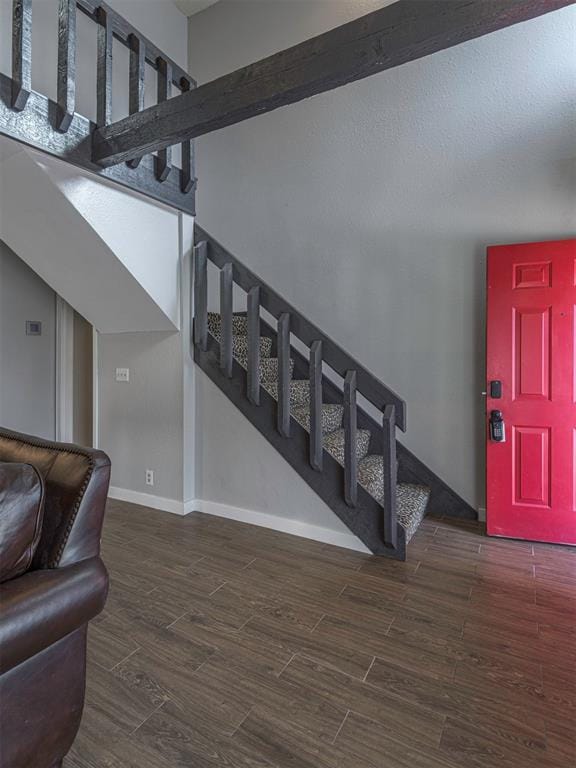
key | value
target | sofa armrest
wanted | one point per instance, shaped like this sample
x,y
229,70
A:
x,y
41,607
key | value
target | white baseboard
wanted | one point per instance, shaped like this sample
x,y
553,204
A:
x,y
262,519
284,524
482,514
148,500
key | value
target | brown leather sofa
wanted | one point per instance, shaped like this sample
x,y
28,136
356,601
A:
x,y
58,585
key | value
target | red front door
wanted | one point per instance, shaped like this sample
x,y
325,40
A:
x,y
531,346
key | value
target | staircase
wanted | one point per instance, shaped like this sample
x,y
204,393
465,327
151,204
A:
x,y
306,404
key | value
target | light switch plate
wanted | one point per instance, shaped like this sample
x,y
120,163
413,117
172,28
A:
x,y
33,328
122,374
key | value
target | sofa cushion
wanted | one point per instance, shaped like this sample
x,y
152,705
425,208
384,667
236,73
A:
x,y
21,513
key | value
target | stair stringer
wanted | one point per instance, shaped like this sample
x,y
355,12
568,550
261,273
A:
x,y
366,520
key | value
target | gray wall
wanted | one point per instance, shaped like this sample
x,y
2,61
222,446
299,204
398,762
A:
x,y
27,363
141,421
236,467
370,207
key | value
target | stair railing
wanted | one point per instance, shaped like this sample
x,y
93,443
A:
x,y
57,129
322,350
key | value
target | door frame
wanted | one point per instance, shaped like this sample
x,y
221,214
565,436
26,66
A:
x,y
64,410
561,242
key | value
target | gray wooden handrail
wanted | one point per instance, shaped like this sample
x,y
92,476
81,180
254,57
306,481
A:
x,y
333,355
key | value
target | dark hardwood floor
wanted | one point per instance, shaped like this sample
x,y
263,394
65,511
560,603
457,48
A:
x,y
227,645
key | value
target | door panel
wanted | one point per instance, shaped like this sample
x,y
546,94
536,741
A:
x,y
531,465
532,275
531,349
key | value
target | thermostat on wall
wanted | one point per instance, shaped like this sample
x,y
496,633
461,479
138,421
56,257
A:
x,y
33,328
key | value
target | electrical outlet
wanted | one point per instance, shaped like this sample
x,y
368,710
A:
x,y
149,477
122,374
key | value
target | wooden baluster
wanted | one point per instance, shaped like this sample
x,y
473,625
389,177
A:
x,y
201,295
350,440
254,345
187,151
136,82
226,329
21,53
164,159
66,85
316,446
284,374
104,68
389,460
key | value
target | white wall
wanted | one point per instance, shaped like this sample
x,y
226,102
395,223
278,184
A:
x,y
370,207
109,253
27,363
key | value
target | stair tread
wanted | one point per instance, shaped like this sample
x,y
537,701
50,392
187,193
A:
x,y
411,499
268,369
331,417
299,391
334,444
268,364
411,503
239,337
240,347
239,324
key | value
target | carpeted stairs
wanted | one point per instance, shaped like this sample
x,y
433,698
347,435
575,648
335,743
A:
x,y
412,500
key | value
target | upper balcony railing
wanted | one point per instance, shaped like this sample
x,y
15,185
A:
x,y
57,128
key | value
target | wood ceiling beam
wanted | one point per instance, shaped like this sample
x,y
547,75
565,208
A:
x,y
398,33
